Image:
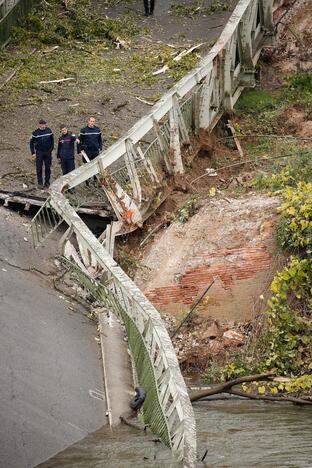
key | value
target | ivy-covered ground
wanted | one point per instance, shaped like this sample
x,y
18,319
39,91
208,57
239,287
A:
x,y
109,51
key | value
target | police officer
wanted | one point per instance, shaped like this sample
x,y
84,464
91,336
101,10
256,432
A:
x,y
90,140
149,7
41,147
66,150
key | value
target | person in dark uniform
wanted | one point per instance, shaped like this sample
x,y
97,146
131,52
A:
x,y
41,147
66,150
149,7
90,140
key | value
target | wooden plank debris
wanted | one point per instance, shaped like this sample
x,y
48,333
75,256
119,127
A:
x,y
56,81
237,142
178,58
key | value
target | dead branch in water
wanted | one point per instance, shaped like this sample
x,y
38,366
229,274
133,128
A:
x,y
252,396
226,387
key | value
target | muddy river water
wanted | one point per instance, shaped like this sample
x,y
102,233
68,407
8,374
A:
x,y
236,433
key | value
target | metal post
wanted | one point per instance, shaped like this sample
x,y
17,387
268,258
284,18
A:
x,y
181,122
175,149
162,146
134,178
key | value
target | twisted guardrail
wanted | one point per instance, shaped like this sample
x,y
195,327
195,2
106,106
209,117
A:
x,y
135,175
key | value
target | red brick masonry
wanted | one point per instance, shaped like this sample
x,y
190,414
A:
x,y
229,265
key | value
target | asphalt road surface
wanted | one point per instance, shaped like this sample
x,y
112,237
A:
x,y
50,369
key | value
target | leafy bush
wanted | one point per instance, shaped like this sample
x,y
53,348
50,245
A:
x,y
300,81
288,337
299,168
188,209
294,230
298,90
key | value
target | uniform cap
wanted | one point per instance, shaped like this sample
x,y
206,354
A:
x,y
42,122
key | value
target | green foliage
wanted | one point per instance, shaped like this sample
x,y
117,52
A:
x,y
50,23
295,279
298,89
298,168
257,100
300,81
288,337
294,385
295,227
200,7
128,262
188,209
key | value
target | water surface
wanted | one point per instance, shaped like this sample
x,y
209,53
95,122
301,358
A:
x,y
236,433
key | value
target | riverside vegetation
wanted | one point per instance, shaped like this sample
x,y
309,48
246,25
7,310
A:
x,y
283,345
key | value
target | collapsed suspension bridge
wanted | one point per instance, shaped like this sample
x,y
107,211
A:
x,y
135,175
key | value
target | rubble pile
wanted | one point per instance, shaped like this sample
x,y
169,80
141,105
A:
x,y
205,340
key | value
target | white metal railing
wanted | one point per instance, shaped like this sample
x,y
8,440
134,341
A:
x,y
6,6
133,173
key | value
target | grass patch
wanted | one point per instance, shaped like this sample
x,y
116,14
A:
x,y
265,112
257,100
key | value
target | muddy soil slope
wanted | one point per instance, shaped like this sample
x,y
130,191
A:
x,y
229,241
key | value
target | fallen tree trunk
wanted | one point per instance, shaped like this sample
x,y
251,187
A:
x,y
226,387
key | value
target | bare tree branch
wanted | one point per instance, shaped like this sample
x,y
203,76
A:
x,y
224,387
252,396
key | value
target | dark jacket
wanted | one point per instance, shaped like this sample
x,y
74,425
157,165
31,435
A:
x,y
90,140
41,141
66,146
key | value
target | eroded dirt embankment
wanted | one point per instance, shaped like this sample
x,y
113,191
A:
x,y
231,239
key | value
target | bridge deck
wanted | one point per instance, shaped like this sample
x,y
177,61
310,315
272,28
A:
x,y
51,375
